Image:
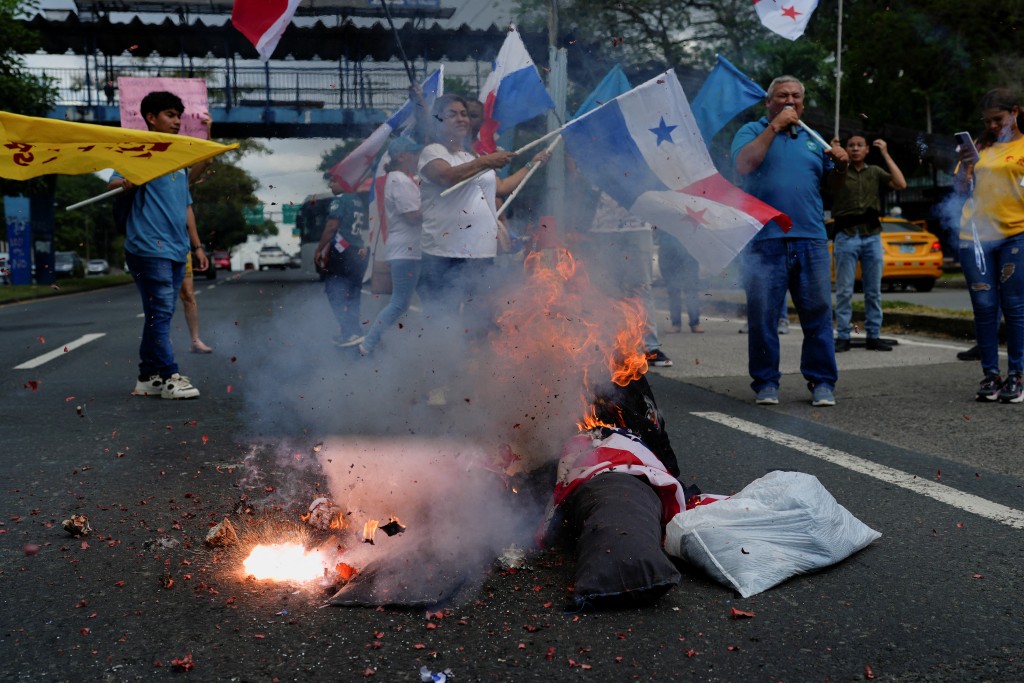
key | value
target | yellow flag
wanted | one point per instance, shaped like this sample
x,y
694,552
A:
x,y
35,146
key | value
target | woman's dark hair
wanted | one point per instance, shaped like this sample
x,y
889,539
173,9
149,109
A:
x,y
161,100
1002,99
437,111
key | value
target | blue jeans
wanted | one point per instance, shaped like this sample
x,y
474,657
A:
x,y
447,285
343,286
681,274
803,267
867,250
405,273
1002,285
158,281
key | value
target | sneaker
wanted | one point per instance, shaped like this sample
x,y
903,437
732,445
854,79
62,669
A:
x,y
178,386
745,329
842,345
783,325
972,353
658,359
768,395
363,351
1012,391
876,344
148,387
989,388
822,396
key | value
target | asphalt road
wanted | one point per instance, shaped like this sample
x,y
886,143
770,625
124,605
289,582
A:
x,y
906,450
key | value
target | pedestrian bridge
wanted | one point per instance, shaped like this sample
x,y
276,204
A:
x,y
341,101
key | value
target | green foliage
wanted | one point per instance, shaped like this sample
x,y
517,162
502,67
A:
x,y
217,200
332,156
89,230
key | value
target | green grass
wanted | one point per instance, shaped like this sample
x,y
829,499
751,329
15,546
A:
x,y
906,307
15,293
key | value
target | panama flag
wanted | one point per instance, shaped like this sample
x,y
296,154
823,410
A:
x,y
513,92
350,171
645,151
263,22
788,18
726,92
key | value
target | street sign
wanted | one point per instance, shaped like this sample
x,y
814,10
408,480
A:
x,y
290,211
253,214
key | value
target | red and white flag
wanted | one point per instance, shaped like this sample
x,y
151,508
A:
x,y
263,22
788,18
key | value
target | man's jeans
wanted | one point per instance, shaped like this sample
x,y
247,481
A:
x,y
1002,285
802,266
405,273
343,286
158,281
868,250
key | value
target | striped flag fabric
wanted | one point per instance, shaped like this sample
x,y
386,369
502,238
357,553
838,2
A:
x,y
644,149
263,22
513,92
350,171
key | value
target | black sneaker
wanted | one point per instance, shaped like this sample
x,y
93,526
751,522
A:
x,y
658,359
875,344
842,345
1012,391
990,388
972,353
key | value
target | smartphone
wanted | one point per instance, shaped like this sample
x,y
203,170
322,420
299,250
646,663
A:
x,y
964,142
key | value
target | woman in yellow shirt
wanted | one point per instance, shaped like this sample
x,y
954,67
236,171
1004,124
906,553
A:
x,y
992,241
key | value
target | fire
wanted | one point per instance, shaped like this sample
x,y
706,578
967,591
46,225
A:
x,y
289,562
560,316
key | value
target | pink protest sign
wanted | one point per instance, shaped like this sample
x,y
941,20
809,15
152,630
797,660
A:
x,y
192,92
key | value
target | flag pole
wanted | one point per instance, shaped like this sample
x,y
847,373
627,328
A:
x,y
527,146
401,50
97,198
839,63
529,174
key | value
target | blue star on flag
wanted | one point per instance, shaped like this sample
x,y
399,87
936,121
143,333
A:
x,y
663,132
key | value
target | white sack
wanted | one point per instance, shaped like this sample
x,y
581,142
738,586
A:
x,y
780,525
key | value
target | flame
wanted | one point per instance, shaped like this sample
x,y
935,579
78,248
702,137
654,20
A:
x,y
558,315
286,562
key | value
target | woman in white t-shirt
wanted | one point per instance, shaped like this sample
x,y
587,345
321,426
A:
x,y
404,222
460,231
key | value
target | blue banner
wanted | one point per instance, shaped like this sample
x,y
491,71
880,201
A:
x,y
19,239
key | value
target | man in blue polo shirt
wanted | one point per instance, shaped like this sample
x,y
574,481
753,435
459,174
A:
x,y
783,166
161,229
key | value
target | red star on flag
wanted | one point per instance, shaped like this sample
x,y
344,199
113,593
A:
x,y
790,12
697,216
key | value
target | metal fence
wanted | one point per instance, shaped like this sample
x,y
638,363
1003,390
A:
x,y
349,86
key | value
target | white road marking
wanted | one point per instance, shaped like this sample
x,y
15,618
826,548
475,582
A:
x,y
940,492
58,352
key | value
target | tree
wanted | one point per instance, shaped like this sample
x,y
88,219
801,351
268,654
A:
x,y
218,200
89,230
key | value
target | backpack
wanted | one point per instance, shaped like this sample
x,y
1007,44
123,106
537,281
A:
x,y
122,208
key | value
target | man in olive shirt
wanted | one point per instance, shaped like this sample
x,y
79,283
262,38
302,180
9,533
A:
x,y
856,206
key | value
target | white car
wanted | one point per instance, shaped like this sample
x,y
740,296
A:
x,y
97,266
273,257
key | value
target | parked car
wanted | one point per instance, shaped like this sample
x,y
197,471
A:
x,y
68,264
221,260
295,261
273,257
5,269
911,256
97,266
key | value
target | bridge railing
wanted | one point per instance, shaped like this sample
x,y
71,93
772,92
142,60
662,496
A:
x,y
347,87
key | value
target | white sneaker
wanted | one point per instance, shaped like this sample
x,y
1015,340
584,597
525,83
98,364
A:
x,y
148,387
178,386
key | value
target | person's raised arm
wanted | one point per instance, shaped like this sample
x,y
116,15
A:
x,y
898,182
508,185
440,172
751,156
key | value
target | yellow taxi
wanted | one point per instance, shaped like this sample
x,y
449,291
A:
x,y
910,255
